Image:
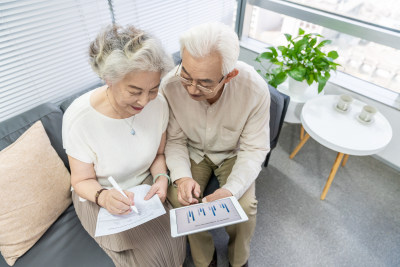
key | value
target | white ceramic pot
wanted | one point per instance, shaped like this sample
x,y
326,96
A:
x,y
299,90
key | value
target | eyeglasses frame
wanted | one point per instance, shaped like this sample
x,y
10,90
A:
x,y
198,86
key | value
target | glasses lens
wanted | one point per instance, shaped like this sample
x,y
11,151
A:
x,y
203,89
184,81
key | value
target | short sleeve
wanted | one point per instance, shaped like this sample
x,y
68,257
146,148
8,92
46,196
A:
x,y
74,139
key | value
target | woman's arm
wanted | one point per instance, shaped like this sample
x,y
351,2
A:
x,y
159,166
85,184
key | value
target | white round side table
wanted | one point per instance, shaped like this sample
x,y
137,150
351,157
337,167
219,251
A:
x,y
342,131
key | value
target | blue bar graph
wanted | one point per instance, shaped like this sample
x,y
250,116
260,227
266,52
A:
x,y
202,212
213,209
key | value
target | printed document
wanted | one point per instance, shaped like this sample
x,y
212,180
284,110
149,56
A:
x,y
108,224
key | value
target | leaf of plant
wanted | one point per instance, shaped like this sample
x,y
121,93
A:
x,y
282,48
313,42
324,42
288,37
319,52
298,73
317,34
321,82
266,55
327,75
299,45
273,50
276,71
310,79
280,78
301,31
333,54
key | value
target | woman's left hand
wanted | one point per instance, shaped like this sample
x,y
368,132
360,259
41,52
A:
x,y
160,188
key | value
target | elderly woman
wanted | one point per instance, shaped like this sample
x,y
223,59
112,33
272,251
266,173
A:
x,y
119,130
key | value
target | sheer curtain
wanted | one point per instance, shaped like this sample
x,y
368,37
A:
x,y
44,43
44,50
168,18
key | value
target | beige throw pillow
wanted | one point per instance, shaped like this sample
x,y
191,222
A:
x,y
34,191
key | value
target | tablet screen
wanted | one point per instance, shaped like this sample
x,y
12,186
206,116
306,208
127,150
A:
x,y
206,215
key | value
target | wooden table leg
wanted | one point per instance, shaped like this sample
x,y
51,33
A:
x,y
299,146
346,157
301,132
335,167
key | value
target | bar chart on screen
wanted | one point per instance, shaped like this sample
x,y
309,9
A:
x,y
210,215
209,211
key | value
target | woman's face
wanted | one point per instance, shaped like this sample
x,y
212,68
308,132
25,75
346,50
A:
x,y
134,91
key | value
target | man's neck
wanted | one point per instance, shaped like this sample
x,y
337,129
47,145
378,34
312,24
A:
x,y
216,97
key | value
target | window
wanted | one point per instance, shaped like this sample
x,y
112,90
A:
x,y
43,50
384,13
169,18
44,44
367,51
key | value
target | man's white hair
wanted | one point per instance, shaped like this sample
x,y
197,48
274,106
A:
x,y
206,38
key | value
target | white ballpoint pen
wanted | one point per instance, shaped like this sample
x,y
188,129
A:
x,y
116,186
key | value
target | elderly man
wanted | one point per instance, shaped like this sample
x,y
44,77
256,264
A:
x,y
219,123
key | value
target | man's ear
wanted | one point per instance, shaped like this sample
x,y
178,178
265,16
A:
x,y
231,75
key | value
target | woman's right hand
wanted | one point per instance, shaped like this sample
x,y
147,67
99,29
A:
x,y
115,202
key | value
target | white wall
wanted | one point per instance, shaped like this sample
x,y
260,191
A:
x,y
391,154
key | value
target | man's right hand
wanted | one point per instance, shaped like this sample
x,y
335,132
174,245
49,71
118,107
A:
x,y
188,190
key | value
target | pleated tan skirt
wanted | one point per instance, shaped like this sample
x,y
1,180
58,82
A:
x,y
149,244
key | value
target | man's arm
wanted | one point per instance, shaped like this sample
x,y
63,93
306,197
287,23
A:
x,y
178,162
254,146
176,151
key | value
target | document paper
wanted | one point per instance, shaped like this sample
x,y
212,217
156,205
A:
x,y
108,224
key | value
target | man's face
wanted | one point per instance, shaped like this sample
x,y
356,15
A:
x,y
206,72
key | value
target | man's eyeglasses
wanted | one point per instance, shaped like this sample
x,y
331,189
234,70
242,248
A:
x,y
186,82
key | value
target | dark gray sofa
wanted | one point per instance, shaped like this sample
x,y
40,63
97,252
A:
x,y
65,243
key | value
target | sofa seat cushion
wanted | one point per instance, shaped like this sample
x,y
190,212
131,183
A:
x,y
65,244
34,185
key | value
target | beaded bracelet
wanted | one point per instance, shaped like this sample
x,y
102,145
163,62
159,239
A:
x,y
96,197
162,174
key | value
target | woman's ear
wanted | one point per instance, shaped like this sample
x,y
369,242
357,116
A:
x,y
231,75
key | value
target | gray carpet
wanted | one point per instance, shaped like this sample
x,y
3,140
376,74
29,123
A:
x,y
358,224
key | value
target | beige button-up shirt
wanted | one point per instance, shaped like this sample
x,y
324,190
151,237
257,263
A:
x,y
236,124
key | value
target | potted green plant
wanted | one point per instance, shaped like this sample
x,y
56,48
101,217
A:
x,y
301,59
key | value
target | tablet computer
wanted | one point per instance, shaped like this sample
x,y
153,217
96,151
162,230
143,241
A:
x,y
205,216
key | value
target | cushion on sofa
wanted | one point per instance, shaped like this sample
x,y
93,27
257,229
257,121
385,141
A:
x,y
51,117
35,190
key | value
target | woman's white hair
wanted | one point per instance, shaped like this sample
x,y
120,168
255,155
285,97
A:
x,y
117,51
206,38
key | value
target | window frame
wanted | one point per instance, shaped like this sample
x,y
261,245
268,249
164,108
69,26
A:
x,y
347,25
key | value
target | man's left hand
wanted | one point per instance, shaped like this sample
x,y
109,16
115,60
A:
x,y
218,194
